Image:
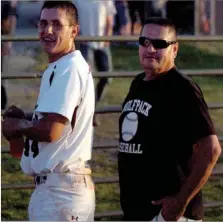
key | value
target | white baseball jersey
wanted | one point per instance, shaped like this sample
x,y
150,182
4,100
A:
x,y
67,88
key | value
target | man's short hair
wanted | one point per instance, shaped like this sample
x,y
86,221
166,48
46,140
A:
x,y
71,9
165,22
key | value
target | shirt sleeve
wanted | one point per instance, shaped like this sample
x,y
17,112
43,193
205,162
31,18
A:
x,y
64,94
111,8
196,118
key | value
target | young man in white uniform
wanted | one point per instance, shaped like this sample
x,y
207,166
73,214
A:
x,y
59,137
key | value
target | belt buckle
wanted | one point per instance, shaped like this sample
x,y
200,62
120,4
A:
x,y
39,179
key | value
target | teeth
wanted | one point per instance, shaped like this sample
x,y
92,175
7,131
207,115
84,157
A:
x,y
47,39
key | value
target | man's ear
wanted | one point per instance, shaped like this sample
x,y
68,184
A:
x,y
75,31
175,49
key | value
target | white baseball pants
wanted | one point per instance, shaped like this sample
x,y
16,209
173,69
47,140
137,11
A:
x,y
63,197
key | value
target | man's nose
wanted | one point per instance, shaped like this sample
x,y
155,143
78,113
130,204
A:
x,y
150,48
49,28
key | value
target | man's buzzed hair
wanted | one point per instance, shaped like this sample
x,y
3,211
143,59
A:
x,y
165,22
71,9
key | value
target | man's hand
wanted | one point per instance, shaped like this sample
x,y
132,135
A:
x,y
14,112
10,128
172,208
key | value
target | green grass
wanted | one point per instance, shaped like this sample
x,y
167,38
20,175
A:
x,y
104,162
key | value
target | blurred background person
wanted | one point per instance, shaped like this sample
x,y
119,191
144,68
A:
x,y
141,10
122,24
183,16
136,12
155,8
8,26
204,5
97,19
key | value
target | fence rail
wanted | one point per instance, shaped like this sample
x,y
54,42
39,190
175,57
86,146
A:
x,y
124,74
107,145
181,38
118,109
216,175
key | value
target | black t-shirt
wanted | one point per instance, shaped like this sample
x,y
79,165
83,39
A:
x,y
160,121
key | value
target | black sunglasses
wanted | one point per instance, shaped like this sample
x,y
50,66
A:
x,y
157,43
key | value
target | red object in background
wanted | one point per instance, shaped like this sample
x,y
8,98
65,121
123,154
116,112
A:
x,y
206,26
16,147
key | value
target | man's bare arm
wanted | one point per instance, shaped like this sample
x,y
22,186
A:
x,y
206,153
109,25
47,129
109,28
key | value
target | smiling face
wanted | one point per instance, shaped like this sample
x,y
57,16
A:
x,y
56,32
157,60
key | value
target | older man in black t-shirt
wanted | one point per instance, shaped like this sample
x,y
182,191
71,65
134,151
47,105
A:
x,y
168,146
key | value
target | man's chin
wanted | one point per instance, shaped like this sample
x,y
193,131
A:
x,y
49,50
150,66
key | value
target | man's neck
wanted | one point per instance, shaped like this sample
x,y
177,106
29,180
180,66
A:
x,y
154,74
150,74
55,57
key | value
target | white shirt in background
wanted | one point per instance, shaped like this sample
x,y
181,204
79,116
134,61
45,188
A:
x,y
93,18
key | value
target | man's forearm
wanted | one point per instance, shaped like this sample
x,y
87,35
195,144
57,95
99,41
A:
x,y
13,24
202,164
33,130
109,26
109,31
196,179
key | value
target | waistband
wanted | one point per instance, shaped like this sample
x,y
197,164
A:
x,y
63,180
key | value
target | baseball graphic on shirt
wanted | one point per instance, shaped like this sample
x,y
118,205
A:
x,y
129,126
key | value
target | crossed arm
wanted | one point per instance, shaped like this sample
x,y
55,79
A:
x,y
47,129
